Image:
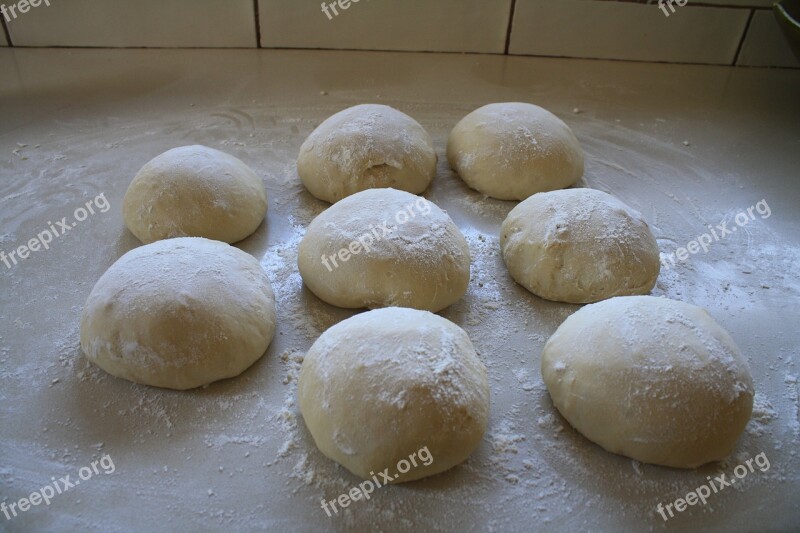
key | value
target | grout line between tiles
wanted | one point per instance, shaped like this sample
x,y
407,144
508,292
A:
x,y
5,31
744,36
258,23
510,26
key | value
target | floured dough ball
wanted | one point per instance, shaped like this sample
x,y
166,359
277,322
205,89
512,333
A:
x,y
179,313
510,151
391,383
194,191
382,248
368,146
653,379
579,246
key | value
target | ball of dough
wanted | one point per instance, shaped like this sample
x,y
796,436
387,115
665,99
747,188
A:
x,y
579,246
653,379
368,146
510,151
382,385
382,248
179,313
194,191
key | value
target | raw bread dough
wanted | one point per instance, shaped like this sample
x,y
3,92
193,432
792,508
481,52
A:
x,y
382,385
579,246
653,379
348,259
179,313
368,146
194,191
512,150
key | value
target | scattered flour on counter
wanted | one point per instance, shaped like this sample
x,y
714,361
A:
x,y
221,440
504,438
794,397
763,414
531,463
523,378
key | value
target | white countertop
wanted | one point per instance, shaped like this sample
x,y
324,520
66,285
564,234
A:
x,y
688,146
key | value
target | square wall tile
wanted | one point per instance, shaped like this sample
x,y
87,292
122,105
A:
x,y
626,30
410,25
765,45
143,23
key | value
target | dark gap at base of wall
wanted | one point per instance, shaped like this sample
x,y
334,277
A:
x,y
495,54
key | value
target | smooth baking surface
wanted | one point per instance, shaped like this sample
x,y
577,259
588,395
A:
x,y
688,146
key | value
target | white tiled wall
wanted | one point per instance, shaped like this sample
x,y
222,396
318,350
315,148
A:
x,y
428,25
723,32
627,30
139,23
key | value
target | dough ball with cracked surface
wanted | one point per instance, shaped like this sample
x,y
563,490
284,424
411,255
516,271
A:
x,y
194,191
654,379
383,248
382,385
367,146
512,150
179,313
579,246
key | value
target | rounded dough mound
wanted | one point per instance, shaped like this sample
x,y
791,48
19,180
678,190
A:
x,y
194,191
579,246
653,379
179,313
383,385
347,259
510,151
368,146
